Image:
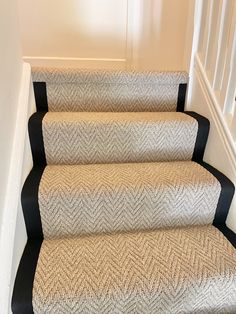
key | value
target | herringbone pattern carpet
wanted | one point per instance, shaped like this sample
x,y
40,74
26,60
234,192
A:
x,y
119,206
188,270
82,90
82,138
88,199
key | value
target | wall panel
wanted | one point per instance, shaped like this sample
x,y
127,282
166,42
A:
x,y
141,34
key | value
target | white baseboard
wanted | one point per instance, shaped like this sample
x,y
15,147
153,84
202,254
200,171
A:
x,y
220,149
20,158
86,63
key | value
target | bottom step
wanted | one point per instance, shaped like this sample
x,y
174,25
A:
x,y
185,270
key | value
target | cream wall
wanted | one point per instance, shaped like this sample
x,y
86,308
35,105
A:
x,y
10,79
11,69
146,34
84,28
166,34
16,104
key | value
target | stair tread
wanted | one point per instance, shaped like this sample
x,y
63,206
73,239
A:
x,y
75,138
85,199
163,271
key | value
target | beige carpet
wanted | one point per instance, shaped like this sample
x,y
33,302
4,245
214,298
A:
x,y
85,138
117,91
119,216
190,270
88,199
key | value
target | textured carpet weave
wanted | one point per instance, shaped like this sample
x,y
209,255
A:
x,y
190,270
75,200
83,90
120,207
82,138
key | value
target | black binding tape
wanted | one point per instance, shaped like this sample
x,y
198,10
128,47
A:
x,y
40,93
23,288
181,97
226,194
229,234
227,187
30,205
36,138
224,202
202,135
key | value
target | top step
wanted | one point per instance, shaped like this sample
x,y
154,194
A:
x,y
108,91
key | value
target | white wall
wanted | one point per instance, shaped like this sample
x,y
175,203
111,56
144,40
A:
x,y
13,233
107,33
10,79
15,152
27,107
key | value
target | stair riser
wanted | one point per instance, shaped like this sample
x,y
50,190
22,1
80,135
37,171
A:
x,y
85,142
80,139
110,91
105,198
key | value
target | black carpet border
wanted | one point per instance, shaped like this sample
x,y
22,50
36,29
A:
x,y
224,202
23,285
226,194
202,135
36,138
23,288
30,204
181,97
229,234
40,93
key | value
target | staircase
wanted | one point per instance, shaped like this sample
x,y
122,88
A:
x,y
122,213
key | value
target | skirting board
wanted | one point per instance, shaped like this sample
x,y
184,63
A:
x,y
86,63
220,149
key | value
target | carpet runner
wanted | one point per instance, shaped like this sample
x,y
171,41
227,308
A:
x,y
122,213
